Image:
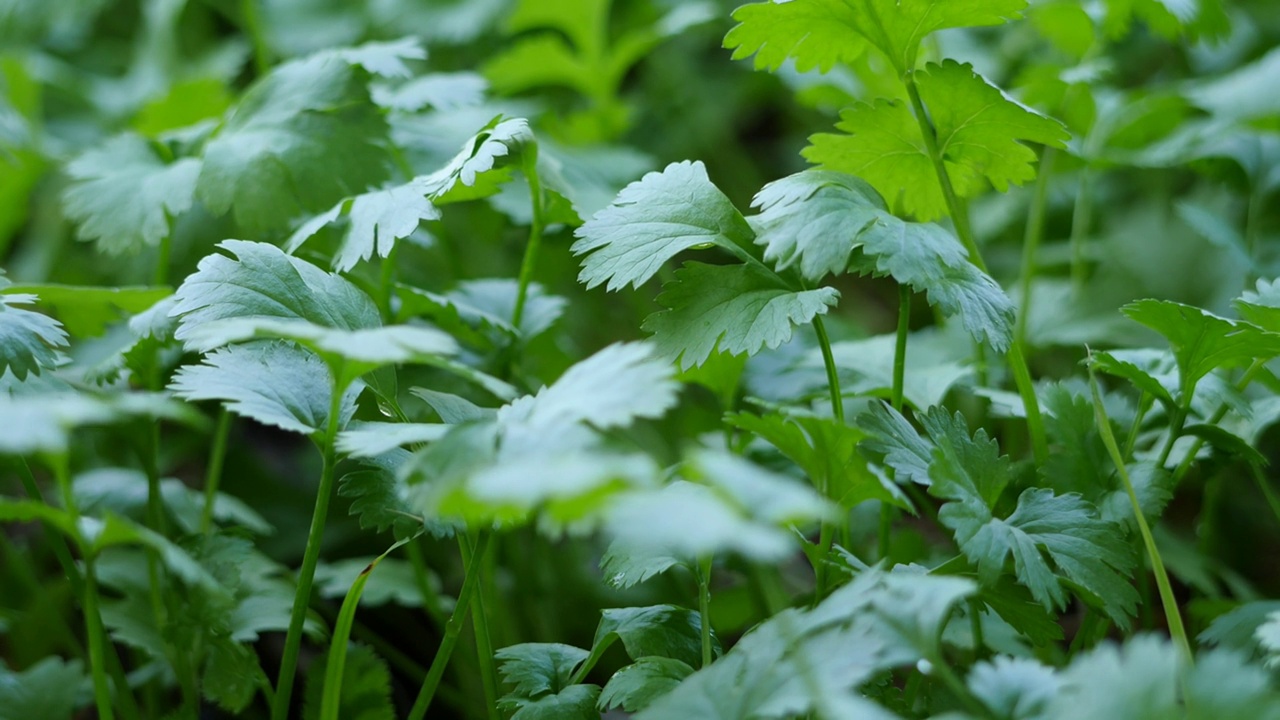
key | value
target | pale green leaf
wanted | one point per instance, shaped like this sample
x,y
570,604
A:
x,y
471,173
733,309
651,221
29,341
124,194
374,222
439,91
263,282
534,669
44,691
1013,688
274,383
636,686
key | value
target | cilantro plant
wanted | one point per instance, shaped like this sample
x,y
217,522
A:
x,y
521,360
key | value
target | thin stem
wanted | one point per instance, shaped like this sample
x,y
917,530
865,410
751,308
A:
x,y
975,626
1175,431
92,615
452,630
1221,412
1145,401
213,475
704,607
480,623
387,282
252,21
530,259
829,361
310,557
1174,619
900,349
960,218
160,275
1081,218
1031,241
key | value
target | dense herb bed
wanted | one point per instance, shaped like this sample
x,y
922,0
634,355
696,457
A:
x,y
338,382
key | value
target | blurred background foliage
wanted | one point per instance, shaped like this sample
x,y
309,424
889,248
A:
x,y
1169,189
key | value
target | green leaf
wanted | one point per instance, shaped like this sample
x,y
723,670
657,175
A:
x,y
29,341
439,91
300,139
394,582
375,222
576,702
734,309
818,218
896,443
1261,306
651,221
612,388
479,167
827,452
814,218
1238,628
1201,341
271,382
1137,681
353,352
1013,688
534,669
377,497
230,676
741,509
44,691
87,310
979,132
43,422
934,366
451,408
667,631
623,568
369,439
1169,18
482,309
636,686
263,282
124,195
125,491
821,33
386,58
366,687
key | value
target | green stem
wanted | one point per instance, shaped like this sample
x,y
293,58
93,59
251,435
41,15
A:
x,y
900,349
387,282
213,474
1145,401
92,615
1175,431
252,21
452,630
480,623
960,218
704,607
310,557
160,275
1031,241
833,375
530,259
1081,218
1174,619
1221,412
975,626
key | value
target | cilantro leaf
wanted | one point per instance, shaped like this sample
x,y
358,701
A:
x,y
651,221
635,686
733,309
377,497
375,221
667,631
483,157
1014,688
817,218
439,91
274,383
301,138
44,422
534,669
979,132
123,194
814,218
87,310
41,692
263,282
1201,341
612,388
576,702
623,568
29,341
893,440
820,33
